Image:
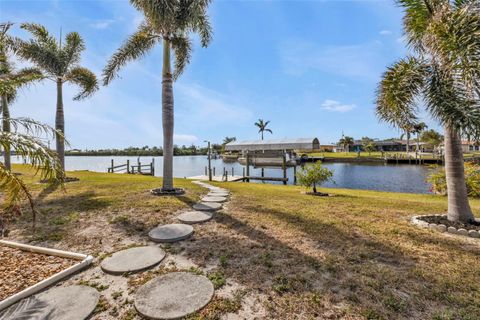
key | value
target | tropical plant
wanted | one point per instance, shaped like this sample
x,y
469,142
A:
x,y
226,141
169,23
11,80
346,142
312,175
59,63
418,129
407,128
431,138
445,73
25,139
472,178
368,145
262,127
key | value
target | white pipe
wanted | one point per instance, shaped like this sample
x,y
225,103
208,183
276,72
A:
x,y
86,260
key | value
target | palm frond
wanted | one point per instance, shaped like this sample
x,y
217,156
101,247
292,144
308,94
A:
x,y
182,47
136,46
85,79
71,52
198,20
45,57
40,33
397,91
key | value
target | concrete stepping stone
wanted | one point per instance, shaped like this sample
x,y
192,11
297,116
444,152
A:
x,y
219,193
207,206
171,232
192,217
133,260
173,296
214,199
70,303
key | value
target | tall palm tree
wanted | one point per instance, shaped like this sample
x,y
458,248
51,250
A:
x,y
11,80
59,63
346,142
445,72
407,132
262,126
418,129
169,23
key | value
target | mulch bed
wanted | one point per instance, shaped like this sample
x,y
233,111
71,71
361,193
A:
x,y
448,223
21,269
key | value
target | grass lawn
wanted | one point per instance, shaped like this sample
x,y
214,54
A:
x,y
273,252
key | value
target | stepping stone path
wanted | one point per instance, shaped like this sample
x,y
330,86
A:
x,y
133,260
214,199
171,232
218,194
72,303
174,295
207,206
192,217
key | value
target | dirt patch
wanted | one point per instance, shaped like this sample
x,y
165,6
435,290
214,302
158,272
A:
x,y
21,269
448,223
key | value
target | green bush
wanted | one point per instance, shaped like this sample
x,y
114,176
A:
x,y
312,175
472,178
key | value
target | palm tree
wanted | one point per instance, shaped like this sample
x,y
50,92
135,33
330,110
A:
x,y
59,63
407,131
262,126
11,81
169,23
418,129
26,141
445,72
346,142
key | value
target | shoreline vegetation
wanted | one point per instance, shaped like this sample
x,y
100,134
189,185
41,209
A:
x,y
354,255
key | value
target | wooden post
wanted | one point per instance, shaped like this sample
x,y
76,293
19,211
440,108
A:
x,y
214,171
224,170
206,174
128,166
284,167
210,163
243,174
263,173
233,174
153,166
248,167
139,167
295,174
112,166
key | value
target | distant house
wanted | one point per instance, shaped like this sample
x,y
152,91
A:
x,y
470,146
390,145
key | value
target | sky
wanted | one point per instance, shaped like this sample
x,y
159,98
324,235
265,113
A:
x,y
310,67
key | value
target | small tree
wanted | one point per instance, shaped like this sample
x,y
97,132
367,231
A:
x,y
368,145
312,175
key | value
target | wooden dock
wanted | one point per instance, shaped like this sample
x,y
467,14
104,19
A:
x,y
139,168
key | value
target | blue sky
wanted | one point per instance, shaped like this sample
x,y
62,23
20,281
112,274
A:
x,y
310,67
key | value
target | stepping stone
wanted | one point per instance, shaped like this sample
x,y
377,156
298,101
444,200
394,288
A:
x,y
192,217
207,206
70,303
133,260
214,199
219,193
173,296
171,232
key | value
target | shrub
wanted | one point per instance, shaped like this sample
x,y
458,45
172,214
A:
x,y
312,175
472,178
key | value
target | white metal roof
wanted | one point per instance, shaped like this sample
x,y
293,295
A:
x,y
274,144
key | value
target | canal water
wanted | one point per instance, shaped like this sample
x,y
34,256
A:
x,y
370,176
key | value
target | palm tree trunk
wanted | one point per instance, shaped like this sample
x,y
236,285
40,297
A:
x,y
167,118
6,128
408,142
261,132
458,206
60,124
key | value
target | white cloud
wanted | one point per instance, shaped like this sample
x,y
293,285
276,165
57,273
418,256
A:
x,y
101,24
335,106
385,32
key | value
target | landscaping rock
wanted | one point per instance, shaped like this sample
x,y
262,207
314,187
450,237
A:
x,y
171,232
473,234
462,232
192,217
441,227
174,295
207,206
133,260
214,199
452,230
70,303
